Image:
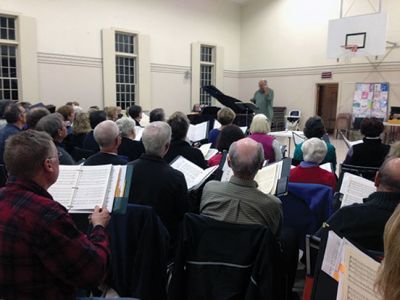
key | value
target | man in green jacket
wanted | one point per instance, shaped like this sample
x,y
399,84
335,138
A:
x,y
263,99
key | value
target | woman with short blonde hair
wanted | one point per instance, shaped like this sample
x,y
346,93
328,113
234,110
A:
x,y
259,130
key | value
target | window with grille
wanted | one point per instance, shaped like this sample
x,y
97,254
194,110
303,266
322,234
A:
x,y
8,59
207,72
126,70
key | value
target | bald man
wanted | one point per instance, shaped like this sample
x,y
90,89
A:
x,y
264,100
107,136
239,200
364,223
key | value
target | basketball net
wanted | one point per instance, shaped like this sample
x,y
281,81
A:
x,y
350,51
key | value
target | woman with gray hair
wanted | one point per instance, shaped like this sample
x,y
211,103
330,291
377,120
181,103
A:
x,y
129,147
314,151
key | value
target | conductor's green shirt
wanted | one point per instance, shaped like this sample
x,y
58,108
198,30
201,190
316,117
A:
x,y
264,103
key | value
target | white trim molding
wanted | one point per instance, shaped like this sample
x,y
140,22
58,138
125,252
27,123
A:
x,y
69,60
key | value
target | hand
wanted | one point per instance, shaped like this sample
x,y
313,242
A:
x,y
100,216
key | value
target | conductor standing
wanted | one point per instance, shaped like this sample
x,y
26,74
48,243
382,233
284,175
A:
x,y
263,99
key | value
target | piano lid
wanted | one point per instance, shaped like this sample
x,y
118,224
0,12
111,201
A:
x,y
229,101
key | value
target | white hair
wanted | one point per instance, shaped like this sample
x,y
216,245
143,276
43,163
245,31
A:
x,y
126,126
105,133
314,150
155,137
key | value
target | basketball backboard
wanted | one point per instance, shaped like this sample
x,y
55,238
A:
x,y
368,32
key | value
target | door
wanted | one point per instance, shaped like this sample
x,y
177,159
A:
x,y
327,104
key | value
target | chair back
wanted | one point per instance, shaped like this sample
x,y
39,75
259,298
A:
x,y
365,172
305,208
220,260
139,249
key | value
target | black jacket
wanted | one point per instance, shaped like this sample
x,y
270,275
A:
x,y
157,184
370,153
139,245
220,260
90,143
180,147
364,224
101,158
131,149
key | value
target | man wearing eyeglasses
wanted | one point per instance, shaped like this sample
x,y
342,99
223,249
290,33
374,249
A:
x,y
42,253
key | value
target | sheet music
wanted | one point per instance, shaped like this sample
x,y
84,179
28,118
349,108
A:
x,y
331,260
357,282
63,189
138,133
217,124
112,187
197,132
92,186
203,176
355,189
327,166
204,148
207,151
120,190
212,152
190,170
227,172
267,178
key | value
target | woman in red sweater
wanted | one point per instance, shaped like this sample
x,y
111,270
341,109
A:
x,y
314,151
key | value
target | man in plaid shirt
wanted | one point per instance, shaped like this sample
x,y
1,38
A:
x,y
42,253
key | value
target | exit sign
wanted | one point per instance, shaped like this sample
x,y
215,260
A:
x,y
326,75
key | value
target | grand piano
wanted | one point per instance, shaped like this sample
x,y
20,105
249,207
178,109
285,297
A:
x,y
244,110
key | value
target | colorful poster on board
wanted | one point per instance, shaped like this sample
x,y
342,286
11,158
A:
x,y
371,100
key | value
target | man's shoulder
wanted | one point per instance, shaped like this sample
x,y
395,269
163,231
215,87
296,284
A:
x,y
215,184
28,202
158,168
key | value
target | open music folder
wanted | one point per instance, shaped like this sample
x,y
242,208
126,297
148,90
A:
x,y
355,188
344,271
194,175
80,188
198,132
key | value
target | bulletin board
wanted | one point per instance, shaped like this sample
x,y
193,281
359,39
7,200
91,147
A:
x,y
371,100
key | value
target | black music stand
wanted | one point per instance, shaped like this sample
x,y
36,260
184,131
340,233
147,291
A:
x,y
248,107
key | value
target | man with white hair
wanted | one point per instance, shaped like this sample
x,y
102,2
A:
x,y
264,100
239,200
314,151
156,183
108,138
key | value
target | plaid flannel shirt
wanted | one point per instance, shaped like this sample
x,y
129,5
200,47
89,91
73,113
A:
x,y
42,253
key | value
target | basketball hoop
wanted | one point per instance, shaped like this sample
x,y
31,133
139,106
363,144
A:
x,y
349,52
353,48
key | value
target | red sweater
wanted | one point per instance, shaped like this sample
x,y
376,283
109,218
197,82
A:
x,y
313,175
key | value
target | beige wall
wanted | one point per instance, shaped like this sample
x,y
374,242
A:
x,y
279,40
69,43
286,44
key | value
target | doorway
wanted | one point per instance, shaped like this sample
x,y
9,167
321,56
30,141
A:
x,y
327,104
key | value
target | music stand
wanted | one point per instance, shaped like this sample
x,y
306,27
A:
x,y
248,107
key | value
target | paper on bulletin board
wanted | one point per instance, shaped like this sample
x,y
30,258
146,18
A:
x,y
371,100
